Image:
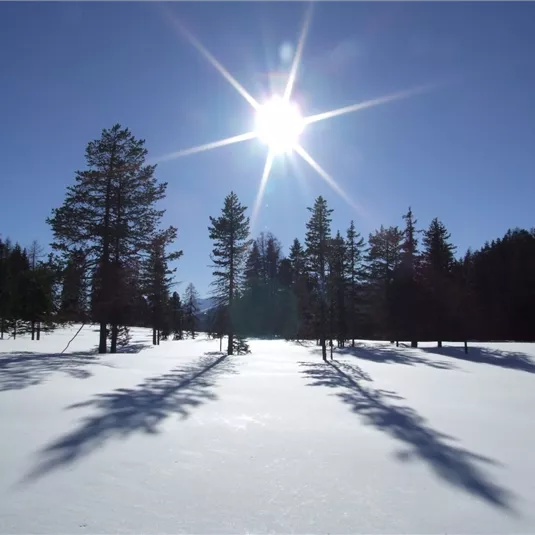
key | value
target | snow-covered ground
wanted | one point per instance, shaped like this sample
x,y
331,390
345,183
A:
x,y
177,438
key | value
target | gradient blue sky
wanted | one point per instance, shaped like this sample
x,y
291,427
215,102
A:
x,y
464,152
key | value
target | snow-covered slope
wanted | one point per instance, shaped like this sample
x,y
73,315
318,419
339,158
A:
x,y
177,438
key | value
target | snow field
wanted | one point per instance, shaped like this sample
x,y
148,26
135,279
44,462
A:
x,y
178,439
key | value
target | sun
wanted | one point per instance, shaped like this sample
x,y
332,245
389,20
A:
x,y
279,124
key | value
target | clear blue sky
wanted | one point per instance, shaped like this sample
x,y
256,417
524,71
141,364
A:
x,y
464,152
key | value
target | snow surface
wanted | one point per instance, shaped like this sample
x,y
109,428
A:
x,y
177,438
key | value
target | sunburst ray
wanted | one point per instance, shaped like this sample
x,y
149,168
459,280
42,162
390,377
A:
x,y
328,178
208,146
213,61
262,186
367,104
299,52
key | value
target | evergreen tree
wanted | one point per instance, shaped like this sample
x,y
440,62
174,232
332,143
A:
x,y
18,272
191,309
40,294
272,262
337,286
383,258
287,305
438,259
230,233
110,215
73,306
272,259
253,269
354,274
158,280
407,299
317,242
297,258
177,315
302,286
5,287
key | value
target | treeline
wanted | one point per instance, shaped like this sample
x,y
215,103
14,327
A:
x,y
402,283
26,290
111,266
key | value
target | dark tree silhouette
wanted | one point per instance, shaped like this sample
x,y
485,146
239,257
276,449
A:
x,y
229,233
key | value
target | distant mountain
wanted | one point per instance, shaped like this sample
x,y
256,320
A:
x,y
205,304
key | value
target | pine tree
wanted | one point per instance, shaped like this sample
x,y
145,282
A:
x,y
18,270
250,311
158,279
73,306
191,309
354,273
176,317
383,258
40,297
438,259
5,286
230,233
110,215
241,347
337,285
253,274
407,301
272,262
297,258
272,258
317,244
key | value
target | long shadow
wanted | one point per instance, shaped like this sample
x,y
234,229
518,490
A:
x,y
389,354
142,409
136,347
23,369
512,360
453,464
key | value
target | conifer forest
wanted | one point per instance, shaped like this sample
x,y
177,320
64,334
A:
x,y
111,257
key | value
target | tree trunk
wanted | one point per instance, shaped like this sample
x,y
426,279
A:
x,y
230,347
158,336
33,330
397,343
466,347
15,331
323,340
2,328
38,330
414,343
114,334
154,336
105,259
439,343
102,345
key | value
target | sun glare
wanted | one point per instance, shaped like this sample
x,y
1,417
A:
x,y
279,124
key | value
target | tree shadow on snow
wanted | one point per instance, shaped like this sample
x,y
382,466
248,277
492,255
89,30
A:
x,y
136,347
389,354
453,464
512,360
22,369
142,409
